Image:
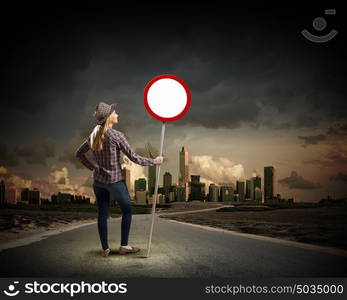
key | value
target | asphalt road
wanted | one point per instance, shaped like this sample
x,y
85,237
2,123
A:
x,y
177,251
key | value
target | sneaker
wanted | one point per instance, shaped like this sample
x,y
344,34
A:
x,y
123,250
106,252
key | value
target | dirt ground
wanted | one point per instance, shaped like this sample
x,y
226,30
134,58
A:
x,y
16,224
326,226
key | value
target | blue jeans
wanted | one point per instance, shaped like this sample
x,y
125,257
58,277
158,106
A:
x,y
116,191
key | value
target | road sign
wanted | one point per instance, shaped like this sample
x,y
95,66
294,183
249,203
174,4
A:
x,y
167,98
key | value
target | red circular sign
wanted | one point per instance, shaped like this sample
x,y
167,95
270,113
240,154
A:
x,y
165,87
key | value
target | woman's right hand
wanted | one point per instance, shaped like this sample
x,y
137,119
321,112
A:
x,y
159,160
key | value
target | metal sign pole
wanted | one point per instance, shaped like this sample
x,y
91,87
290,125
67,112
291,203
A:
x,y
156,189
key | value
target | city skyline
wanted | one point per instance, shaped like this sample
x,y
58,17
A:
x,y
245,188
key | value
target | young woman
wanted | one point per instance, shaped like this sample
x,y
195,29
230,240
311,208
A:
x,y
108,179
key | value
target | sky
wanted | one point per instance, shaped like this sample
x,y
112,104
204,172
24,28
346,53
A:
x,y
262,94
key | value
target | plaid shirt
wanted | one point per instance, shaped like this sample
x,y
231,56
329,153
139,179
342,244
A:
x,y
108,168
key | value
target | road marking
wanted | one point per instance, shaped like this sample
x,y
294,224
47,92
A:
x,y
330,250
191,211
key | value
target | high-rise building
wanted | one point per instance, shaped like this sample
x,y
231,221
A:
x,y
269,174
255,182
24,197
171,196
197,188
11,196
226,193
140,186
126,174
180,193
161,198
2,192
64,197
151,179
140,196
80,199
248,189
240,189
183,176
213,193
54,199
31,197
167,183
236,197
258,194
152,172
34,196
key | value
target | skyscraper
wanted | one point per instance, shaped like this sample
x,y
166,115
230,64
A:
x,y
179,193
257,194
248,189
167,182
183,177
184,166
226,193
213,193
140,184
140,190
255,183
269,174
240,189
2,192
151,179
126,174
11,196
197,188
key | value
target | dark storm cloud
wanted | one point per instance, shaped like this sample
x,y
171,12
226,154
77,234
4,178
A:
x,y
328,93
295,181
36,153
42,65
25,174
70,157
337,129
7,157
84,129
339,177
312,139
238,65
285,125
334,158
306,119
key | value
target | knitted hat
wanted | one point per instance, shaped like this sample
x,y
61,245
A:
x,y
102,112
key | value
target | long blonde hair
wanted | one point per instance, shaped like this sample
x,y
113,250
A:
x,y
100,136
